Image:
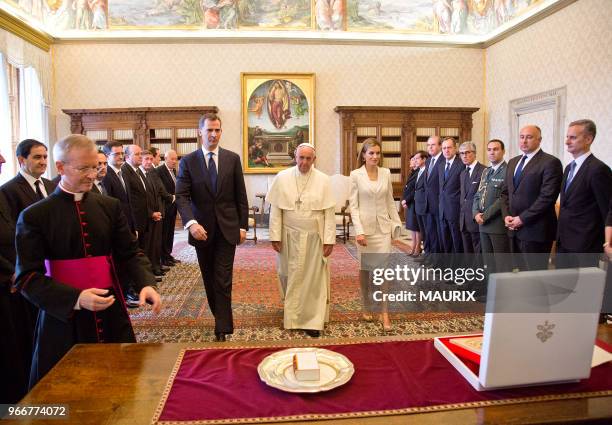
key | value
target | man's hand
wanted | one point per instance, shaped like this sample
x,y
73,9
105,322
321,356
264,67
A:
x,y
276,246
198,232
156,216
514,223
361,240
478,218
242,236
404,204
508,221
149,294
327,250
608,251
93,299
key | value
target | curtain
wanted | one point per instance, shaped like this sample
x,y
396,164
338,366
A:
x,y
8,169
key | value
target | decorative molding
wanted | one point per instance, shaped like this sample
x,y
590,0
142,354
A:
x,y
21,29
554,100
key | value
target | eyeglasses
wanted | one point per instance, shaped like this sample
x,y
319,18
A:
x,y
85,170
465,152
116,154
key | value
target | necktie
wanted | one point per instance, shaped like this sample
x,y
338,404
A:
x,y
173,174
121,179
466,181
519,170
212,171
431,165
101,188
446,170
37,183
570,176
142,177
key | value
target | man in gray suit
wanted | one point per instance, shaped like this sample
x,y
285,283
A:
x,y
486,207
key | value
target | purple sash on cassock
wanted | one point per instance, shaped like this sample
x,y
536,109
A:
x,y
82,273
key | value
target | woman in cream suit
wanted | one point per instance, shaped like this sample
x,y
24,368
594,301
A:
x,y
374,215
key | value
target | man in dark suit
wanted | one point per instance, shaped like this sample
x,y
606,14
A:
x,y
530,191
486,209
28,186
167,175
434,167
586,190
136,182
450,195
211,198
114,183
470,179
16,318
98,187
159,198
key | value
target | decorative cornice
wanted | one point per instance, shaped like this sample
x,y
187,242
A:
x,y
23,30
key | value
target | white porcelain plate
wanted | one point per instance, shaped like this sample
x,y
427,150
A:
x,y
276,370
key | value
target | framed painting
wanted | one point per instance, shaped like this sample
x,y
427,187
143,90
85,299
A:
x,y
278,113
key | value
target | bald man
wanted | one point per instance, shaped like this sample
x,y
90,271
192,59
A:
x,y
530,190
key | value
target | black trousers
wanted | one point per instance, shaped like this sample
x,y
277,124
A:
x,y
535,255
451,237
471,242
153,244
216,261
431,234
169,221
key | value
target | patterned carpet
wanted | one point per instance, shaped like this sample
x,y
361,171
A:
x,y
258,308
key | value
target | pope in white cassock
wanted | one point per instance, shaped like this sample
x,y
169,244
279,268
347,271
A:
x,y
303,232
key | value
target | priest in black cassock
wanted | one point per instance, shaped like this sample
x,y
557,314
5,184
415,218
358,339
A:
x,y
69,247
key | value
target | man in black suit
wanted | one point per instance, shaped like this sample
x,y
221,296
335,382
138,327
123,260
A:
x,y
211,198
450,195
586,190
159,198
136,182
98,187
167,175
434,167
28,186
529,193
470,179
16,318
114,183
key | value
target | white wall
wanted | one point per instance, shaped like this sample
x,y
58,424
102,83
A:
x,y
129,75
572,48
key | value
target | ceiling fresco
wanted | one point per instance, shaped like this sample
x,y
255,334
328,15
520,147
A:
x,y
448,18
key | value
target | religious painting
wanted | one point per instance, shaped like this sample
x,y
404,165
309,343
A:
x,y
329,15
277,115
170,14
390,15
275,14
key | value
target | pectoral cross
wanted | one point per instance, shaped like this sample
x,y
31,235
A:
x,y
298,204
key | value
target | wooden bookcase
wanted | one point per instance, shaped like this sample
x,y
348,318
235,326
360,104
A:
x,y
164,127
401,131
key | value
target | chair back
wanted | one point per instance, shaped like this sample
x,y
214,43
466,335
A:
x,y
341,187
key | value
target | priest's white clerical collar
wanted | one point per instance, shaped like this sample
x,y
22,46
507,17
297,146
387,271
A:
x,y
78,196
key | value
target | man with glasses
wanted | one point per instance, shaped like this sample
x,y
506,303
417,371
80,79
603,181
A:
x,y
102,168
470,179
67,247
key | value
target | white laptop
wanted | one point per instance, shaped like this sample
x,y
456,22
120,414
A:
x,y
540,328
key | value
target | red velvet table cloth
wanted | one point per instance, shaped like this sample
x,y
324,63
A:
x,y
222,385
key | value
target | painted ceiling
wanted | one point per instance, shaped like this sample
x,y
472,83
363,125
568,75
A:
x,y
436,20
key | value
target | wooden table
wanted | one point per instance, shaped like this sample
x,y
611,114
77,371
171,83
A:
x,y
123,383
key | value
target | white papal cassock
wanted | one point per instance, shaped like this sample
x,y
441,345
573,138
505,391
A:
x,y
302,219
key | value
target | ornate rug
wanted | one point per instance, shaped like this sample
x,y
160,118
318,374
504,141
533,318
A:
x,y
257,306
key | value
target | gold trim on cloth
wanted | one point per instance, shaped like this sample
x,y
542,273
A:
x,y
347,415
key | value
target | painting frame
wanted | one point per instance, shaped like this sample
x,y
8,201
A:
x,y
277,114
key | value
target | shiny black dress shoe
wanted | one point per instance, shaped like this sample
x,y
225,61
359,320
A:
x,y
220,337
175,261
312,333
164,268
